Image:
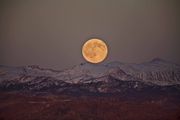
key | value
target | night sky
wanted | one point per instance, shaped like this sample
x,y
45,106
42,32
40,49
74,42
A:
x,y
50,33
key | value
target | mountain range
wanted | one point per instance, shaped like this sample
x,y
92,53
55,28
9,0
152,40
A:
x,y
157,76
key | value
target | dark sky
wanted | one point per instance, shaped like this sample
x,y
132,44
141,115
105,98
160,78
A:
x,y
50,33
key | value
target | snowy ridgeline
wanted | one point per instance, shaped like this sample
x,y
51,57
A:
x,y
98,77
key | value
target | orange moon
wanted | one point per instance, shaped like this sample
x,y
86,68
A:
x,y
94,50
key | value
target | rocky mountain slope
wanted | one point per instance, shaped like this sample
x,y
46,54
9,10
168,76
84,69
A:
x,y
157,71
115,77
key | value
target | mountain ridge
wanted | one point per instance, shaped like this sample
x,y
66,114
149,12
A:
x,y
113,77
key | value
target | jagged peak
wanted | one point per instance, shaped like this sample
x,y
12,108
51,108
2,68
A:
x,y
34,67
162,61
157,59
116,70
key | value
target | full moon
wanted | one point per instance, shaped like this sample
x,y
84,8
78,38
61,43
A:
x,y
94,50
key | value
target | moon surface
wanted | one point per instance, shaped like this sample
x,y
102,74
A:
x,y
94,50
